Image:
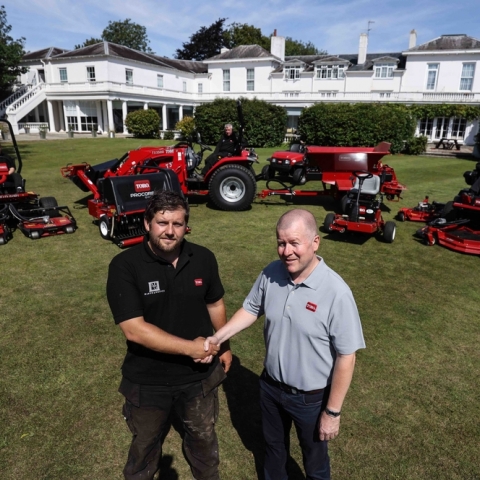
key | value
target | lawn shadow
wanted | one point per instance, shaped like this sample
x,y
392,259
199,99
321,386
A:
x,y
243,398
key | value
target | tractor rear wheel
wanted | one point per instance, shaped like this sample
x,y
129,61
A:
x,y
327,223
344,201
389,232
401,216
104,227
232,187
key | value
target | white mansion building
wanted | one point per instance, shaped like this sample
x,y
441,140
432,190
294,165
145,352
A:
x,y
96,86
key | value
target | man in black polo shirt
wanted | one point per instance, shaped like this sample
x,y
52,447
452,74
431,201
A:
x,y
12,176
166,295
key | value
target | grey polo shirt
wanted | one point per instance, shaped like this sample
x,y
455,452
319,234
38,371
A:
x,y
305,324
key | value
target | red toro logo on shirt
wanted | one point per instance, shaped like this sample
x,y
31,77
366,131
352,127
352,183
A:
x,y
311,306
198,282
141,185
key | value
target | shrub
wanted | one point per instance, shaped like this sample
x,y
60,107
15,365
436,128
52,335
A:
x,y
416,145
169,135
186,126
143,123
264,123
356,125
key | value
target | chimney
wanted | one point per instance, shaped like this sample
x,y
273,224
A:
x,y
277,46
362,49
413,39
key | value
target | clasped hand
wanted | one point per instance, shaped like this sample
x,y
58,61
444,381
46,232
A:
x,y
204,349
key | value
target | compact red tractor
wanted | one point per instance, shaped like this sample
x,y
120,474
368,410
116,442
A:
x,y
363,210
34,216
332,166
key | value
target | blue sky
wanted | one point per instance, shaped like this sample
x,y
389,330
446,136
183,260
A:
x,y
331,25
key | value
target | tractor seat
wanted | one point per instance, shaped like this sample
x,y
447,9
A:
x,y
371,186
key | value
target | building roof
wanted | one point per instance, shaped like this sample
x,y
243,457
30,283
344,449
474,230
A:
x,y
44,53
242,51
448,42
115,50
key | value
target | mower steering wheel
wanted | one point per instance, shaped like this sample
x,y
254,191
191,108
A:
x,y
362,174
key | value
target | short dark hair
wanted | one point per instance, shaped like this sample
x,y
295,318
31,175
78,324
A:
x,y
163,200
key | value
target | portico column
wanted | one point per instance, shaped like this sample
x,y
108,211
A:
x,y
61,117
180,112
37,115
164,116
105,127
145,106
124,116
111,125
99,115
51,116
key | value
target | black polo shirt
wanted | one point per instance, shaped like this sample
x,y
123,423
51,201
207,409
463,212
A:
x,y
140,284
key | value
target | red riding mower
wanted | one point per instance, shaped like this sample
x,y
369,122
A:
x,y
425,211
455,234
36,217
362,209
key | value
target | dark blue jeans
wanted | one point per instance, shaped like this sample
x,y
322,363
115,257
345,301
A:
x,y
279,410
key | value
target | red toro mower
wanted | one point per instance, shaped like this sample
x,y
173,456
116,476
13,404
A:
x,y
332,166
363,209
34,216
456,235
425,211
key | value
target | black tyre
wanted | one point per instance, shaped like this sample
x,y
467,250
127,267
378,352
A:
x,y
104,227
268,172
327,223
389,232
49,204
299,177
448,212
232,188
401,216
344,201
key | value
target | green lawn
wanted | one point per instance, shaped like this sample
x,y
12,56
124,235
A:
x,y
413,409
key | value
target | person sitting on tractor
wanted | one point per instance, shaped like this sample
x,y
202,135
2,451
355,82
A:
x,y
226,147
12,176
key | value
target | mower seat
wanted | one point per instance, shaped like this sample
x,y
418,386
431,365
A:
x,y
371,186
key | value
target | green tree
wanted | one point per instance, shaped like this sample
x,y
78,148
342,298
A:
x,y
297,47
244,34
11,53
206,42
89,41
126,33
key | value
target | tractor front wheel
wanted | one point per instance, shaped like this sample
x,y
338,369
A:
x,y
104,227
401,216
389,232
49,204
232,187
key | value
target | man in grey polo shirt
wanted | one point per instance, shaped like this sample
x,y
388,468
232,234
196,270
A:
x,y
312,331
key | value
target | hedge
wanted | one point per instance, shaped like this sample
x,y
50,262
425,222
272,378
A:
x,y
264,122
357,125
143,123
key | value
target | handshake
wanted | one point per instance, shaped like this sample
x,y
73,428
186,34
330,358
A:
x,y
204,349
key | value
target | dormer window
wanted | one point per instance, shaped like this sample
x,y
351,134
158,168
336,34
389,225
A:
x,y
331,71
384,70
292,72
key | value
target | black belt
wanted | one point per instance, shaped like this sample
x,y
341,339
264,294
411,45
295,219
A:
x,y
287,388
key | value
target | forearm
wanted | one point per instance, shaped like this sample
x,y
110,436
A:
x,y
11,170
218,316
154,338
240,321
341,379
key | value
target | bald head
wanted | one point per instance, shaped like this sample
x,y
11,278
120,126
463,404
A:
x,y
298,216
